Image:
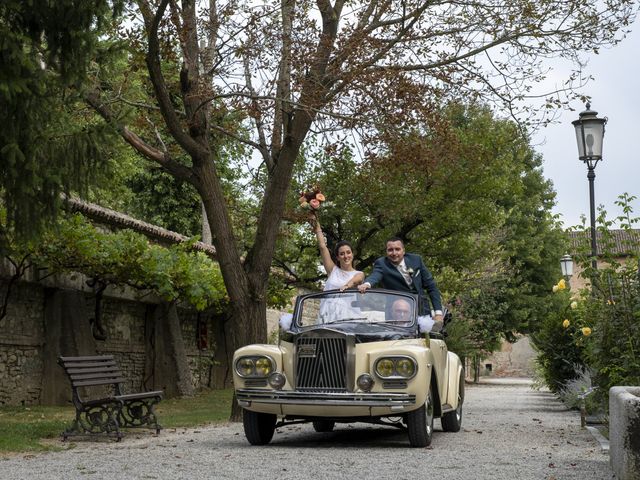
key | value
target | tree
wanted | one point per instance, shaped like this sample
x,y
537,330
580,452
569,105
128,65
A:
x,y
45,51
468,196
298,66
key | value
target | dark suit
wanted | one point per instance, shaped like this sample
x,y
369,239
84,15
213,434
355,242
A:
x,y
386,274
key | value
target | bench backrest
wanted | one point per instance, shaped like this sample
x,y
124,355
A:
x,y
92,371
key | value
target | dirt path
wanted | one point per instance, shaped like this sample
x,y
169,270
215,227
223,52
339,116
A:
x,y
509,432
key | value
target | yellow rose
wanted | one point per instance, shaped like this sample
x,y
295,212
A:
x,y
566,323
574,305
562,285
586,331
555,288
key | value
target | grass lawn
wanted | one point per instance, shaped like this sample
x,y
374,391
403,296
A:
x,y
23,428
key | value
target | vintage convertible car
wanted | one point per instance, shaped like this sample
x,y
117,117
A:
x,y
351,357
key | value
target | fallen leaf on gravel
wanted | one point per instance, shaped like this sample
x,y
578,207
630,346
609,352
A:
x,y
551,478
478,431
551,465
573,464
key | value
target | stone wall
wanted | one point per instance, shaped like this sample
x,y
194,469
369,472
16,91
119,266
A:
x,y
21,341
22,334
513,360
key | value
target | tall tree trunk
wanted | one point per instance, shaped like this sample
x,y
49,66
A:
x,y
247,324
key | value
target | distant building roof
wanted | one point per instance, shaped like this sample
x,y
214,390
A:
x,y
621,242
112,218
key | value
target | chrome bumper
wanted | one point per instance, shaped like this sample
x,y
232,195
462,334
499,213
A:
x,y
247,395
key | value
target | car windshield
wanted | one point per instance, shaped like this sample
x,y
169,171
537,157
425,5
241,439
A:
x,y
371,307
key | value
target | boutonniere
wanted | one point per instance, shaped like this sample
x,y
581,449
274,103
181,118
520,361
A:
x,y
410,271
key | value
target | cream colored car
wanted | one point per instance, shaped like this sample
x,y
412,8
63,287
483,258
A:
x,y
350,357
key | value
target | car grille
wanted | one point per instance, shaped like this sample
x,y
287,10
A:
x,y
321,364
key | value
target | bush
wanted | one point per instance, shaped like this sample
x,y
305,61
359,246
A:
x,y
559,342
599,330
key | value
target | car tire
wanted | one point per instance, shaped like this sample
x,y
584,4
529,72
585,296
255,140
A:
x,y
258,427
452,421
323,426
420,423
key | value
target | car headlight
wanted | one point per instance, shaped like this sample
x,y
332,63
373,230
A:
x,y
396,367
254,366
384,367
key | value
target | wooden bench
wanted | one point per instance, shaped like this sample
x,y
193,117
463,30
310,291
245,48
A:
x,y
101,405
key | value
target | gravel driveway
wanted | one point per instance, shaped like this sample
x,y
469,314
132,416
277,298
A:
x,y
509,432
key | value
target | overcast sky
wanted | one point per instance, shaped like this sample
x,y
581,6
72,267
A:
x,y
615,94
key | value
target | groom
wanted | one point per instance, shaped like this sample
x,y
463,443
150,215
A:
x,y
405,272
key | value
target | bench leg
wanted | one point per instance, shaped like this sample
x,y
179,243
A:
x,y
139,413
97,419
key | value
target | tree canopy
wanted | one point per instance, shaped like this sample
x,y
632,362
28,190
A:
x,y
270,77
470,198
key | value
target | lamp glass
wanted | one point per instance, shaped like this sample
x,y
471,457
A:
x,y
566,263
589,134
591,145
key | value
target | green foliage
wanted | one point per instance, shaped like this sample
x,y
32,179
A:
x,y
602,333
44,147
176,273
467,194
560,346
163,200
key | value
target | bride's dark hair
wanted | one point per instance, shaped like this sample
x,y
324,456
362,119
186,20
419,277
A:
x,y
336,249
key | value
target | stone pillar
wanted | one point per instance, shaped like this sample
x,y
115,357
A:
x,y
166,353
67,333
624,432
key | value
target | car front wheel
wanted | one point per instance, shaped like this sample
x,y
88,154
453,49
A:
x,y
420,424
258,427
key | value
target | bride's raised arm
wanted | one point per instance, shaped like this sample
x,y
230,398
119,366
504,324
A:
x,y
325,255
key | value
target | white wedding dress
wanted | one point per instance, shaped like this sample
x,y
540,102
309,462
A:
x,y
334,309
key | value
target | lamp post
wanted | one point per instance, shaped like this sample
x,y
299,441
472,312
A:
x,y
589,134
566,264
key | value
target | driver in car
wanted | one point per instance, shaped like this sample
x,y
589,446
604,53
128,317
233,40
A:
x,y
401,312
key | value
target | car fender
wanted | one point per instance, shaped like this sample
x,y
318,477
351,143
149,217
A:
x,y
455,368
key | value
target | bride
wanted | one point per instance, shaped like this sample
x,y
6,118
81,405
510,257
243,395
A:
x,y
341,276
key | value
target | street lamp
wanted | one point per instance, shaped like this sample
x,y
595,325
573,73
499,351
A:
x,y
589,135
566,264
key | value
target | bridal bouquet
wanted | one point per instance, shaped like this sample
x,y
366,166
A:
x,y
311,199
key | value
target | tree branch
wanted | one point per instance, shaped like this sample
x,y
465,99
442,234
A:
x,y
152,23
151,153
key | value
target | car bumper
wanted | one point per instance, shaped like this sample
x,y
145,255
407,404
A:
x,y
246,397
